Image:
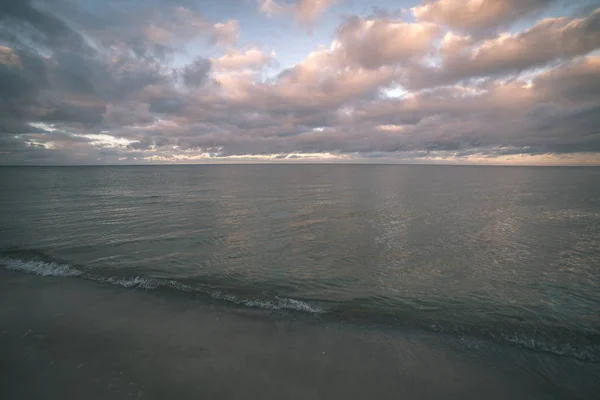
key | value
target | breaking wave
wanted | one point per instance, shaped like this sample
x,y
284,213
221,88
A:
x,y
587,349
41,268
44,268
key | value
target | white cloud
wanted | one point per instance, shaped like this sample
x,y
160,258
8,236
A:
x,y
104,140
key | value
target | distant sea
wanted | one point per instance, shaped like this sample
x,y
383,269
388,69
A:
x,y
507,255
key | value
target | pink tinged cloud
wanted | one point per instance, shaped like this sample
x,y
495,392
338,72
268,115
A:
x,y
550,40
476,15
304,11
183,25
237,59
371,43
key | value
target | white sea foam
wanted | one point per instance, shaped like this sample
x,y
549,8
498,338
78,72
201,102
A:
x,y
135,282
586,353
278,303
300,306
41,268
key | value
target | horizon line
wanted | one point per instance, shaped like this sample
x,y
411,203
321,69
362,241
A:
x,y
300,163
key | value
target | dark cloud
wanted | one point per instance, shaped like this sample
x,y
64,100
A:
x,y
197,72
50,74
20,83
88,116
28,22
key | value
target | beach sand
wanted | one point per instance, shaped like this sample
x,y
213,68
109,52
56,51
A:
x,y
68,338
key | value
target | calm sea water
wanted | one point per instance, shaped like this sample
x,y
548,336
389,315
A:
x,y
511,254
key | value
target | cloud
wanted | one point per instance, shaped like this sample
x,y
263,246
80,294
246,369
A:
x,y
197,73
270,7
550,40
574,84
371,43
476,15
355,66
225,32
182,25
20,83
236,59
9,58
52,73
178,26
85,82
320,81
127,114
22,20
554,112
499,119
307,11
304,11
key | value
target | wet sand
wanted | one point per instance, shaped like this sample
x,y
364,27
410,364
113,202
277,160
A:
x,y
67,338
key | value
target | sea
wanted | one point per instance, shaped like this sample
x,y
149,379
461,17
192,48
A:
x,y
508,256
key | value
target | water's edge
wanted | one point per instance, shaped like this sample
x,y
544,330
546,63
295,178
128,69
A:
x,y
583,346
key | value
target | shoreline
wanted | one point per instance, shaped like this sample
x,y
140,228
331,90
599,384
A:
x,y
580,345
66,338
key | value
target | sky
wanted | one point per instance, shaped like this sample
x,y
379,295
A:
x,y
513,82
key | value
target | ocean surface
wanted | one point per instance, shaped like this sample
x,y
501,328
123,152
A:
x,y
509,255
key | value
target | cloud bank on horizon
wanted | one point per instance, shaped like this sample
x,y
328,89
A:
x,y
184,81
